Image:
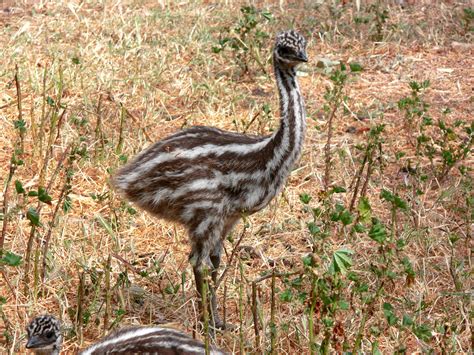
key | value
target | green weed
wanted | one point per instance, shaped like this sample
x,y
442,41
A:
x,y
247,39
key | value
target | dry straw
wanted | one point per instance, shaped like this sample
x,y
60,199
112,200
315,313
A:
x,y
103,80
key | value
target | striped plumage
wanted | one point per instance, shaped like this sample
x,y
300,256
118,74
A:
x,y
206,178
44,337
148,340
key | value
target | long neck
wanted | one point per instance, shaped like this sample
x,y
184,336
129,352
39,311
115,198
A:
x,y
287,142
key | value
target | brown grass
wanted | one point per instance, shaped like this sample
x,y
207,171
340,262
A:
x,y
155,62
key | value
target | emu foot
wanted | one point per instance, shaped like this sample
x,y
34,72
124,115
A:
x,y
216,325
220,325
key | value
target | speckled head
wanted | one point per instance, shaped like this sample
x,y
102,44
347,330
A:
x,y
290,48
44,335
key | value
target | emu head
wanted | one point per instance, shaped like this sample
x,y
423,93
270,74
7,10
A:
x,y
44,335
290,48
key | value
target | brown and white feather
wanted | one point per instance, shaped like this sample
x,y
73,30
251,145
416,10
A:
x,y
206,178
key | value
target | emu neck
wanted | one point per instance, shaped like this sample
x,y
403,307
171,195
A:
x,y
54,351
287,142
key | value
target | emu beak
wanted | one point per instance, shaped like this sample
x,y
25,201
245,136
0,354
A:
x,y
302,57
34,342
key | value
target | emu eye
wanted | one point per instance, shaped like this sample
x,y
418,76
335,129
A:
x,y
49,335
285,51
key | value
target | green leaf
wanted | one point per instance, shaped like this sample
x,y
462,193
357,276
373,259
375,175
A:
x,y
50,101
302,297
389,315
365,211
377,232
448,157
423,332
32,193
359,228
172,289
425,84
105,224
414,85
328,322
341,260
400,243
20,125
400,203
267,15
387,195
337,190
33,216
468,13
67,205
400,155
427,121
16,161
355,67
407,321
339,207
394,199
305,198
408,267
307,260
313,228
334,216
286,296
453,238
19,187
375,348
43,196
346,218
11,259
362,288
317,212
296,282
343,305
120,312
353,276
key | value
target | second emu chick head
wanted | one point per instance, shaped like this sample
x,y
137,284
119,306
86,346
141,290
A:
x,y
44,335
290,48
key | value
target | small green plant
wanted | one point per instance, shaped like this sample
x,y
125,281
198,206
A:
x,y
447,142
325,271
334,98
380,17
10,259
414,107
247,38
371,154
468,19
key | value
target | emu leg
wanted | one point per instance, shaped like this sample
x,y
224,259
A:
x,y
198,277
218,323
214,319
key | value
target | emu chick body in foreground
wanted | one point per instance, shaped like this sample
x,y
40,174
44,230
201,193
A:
x,y
45,338
206,178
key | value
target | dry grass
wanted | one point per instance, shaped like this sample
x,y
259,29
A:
x,y
151,66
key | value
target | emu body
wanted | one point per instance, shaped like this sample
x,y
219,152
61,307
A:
x,y
206,179
149,340
45,337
